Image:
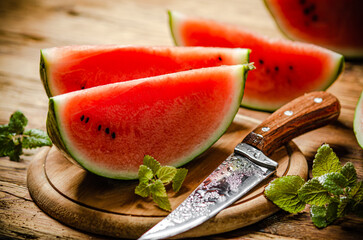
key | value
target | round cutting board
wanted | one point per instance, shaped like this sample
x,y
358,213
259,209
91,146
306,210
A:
x,y
109,207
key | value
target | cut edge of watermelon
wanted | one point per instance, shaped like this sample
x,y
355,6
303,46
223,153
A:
x,y
43,71
59,139
349,53
357,123
176,19
338,69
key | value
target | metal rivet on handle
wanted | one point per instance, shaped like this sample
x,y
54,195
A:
x,y
318,100
265,129
288,113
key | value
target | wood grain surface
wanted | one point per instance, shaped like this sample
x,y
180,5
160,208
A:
x,y
26,26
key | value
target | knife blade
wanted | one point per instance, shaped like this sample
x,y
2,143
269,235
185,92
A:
x,y
249,164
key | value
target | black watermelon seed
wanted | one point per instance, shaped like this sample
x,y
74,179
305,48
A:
x,y
314,18
107,130
87,119
113,135
82,87
291,67
99,127
220,58
261,61
276,68
306,11
82,117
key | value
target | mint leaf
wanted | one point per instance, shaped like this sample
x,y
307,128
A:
x,y
145,174
166,174
326,161
153,178
34,138
334,182
313,193
283,192
17,122
4,130
143,189
14,155
350,174
344,206
151,163
158,189
322,216
162,202
179,178
357,193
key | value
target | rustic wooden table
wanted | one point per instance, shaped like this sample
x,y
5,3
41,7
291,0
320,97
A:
x,y
29,25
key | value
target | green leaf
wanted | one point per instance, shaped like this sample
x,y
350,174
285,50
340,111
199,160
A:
x,y
344,206
145,174
34,138
358,210
143,189
162,202
14,155
166,174
4,130
357,193
17,122
283,192
334,182
322,216
313,193
179,178
7,146
151,163
326,161
349,173
158,189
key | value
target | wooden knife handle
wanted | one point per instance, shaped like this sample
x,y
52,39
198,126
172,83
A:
x,y
303,114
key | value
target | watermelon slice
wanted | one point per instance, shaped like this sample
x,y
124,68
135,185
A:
x,y
358,121
173,117
71,68
284,69
337,25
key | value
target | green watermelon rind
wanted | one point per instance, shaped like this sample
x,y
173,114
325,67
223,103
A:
x,y
59,139
43,70
357,123
175,18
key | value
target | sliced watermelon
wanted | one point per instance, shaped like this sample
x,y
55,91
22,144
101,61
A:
x,y
71,68
173,117
337,25
358,121
284,69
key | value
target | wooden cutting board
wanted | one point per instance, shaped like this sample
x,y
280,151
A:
x,y
98,205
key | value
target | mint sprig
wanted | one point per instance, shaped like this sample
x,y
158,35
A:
x,y
333,192
153,178
14,138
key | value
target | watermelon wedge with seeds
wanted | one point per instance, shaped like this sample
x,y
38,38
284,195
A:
x,y
71,68
284,69
174,118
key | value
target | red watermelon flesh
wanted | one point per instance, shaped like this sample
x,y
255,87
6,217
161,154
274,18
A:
x,y
71,68
337,25
284,69
173,117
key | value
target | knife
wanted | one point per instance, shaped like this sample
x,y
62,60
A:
x,y
249,164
